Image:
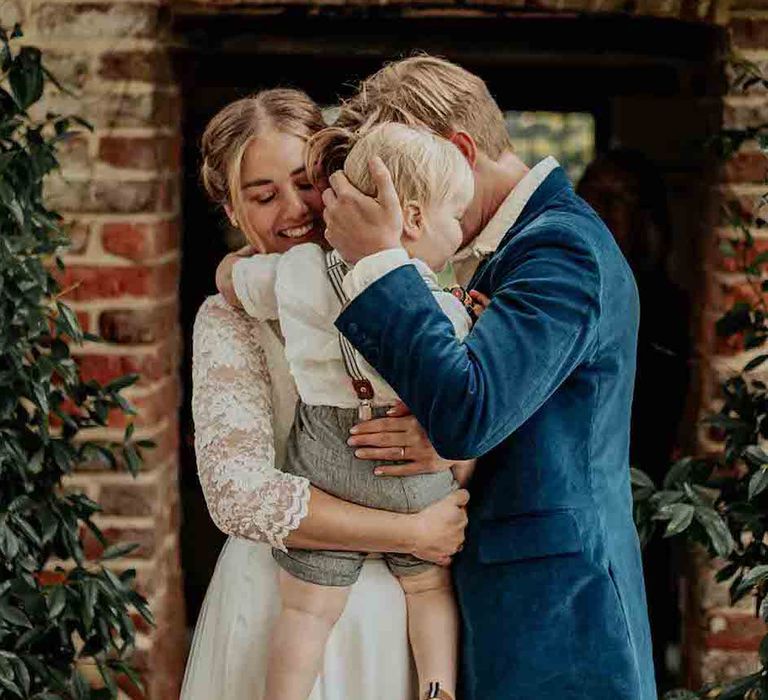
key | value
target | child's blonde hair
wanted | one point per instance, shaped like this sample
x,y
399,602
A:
x,y
425,167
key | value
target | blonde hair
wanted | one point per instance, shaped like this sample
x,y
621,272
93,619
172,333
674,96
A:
x,y
425,168
427,91
230,132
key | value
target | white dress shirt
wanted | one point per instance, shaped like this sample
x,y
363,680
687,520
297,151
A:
x,y
294,288
373,267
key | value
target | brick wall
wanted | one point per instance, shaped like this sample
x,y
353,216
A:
x,y
119,188
722,639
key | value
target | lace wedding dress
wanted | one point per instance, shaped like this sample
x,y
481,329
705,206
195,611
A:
x,y
243,403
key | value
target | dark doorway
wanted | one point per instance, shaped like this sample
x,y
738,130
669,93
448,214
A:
x,y
659,96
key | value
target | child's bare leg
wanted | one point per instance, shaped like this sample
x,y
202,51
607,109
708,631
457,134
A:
x,y
307,616
433,627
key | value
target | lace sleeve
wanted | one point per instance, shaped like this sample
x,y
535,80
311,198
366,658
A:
x,y
234,438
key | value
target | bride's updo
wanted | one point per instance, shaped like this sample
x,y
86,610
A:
x,y
232,129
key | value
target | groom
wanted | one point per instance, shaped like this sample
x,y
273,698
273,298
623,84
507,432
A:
x,y
549,582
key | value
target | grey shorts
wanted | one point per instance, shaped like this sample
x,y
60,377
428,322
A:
x,y
317,449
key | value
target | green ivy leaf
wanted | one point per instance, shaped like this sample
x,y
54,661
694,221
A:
x,y
22,674
13,615
26,77
758,482
57,601
717,531
108,676
118,550
681,516
755,363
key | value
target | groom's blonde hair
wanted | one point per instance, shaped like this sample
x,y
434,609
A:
x,y
431,92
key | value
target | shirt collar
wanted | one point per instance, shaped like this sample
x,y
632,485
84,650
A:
x,y
507,214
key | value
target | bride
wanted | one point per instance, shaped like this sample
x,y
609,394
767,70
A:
x,y
243,403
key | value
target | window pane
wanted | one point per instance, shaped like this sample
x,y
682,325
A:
x,y
568,136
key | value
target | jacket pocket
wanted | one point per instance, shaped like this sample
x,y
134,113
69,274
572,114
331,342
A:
x,y
528,536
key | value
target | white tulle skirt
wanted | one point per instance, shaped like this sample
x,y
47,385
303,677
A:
x,y
367,657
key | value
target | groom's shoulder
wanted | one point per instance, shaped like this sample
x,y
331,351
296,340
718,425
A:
x,y
559,231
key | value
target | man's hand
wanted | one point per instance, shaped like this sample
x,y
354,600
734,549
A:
x,y
397,437
358,225
438,530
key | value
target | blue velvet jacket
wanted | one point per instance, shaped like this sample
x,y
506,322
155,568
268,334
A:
x,y
550,582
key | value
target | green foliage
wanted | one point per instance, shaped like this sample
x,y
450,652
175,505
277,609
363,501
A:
x,y
722,502
49,621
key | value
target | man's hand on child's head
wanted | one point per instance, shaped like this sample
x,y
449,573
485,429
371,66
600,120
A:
x,y
358,225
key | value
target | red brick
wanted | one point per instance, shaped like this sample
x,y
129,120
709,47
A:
x,y
79,235
725,295
67,195
136,326
108,282
130,197
147,153
150,367
166,109
742,633
73,152
748,5
85,321
749,33
71,68
736,264
130,497
51,578
97,20
85,196
143,66
120,109
747,207
745,113
732,345
160,404
144,537
140,242
747,167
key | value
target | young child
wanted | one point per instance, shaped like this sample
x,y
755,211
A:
x,y
303,288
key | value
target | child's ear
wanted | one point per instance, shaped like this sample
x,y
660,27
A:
x,y
412,220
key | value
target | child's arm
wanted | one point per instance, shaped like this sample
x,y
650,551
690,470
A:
x,y
224,274
253,284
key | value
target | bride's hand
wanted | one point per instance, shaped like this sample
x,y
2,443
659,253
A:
x,y
398,437
438,530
